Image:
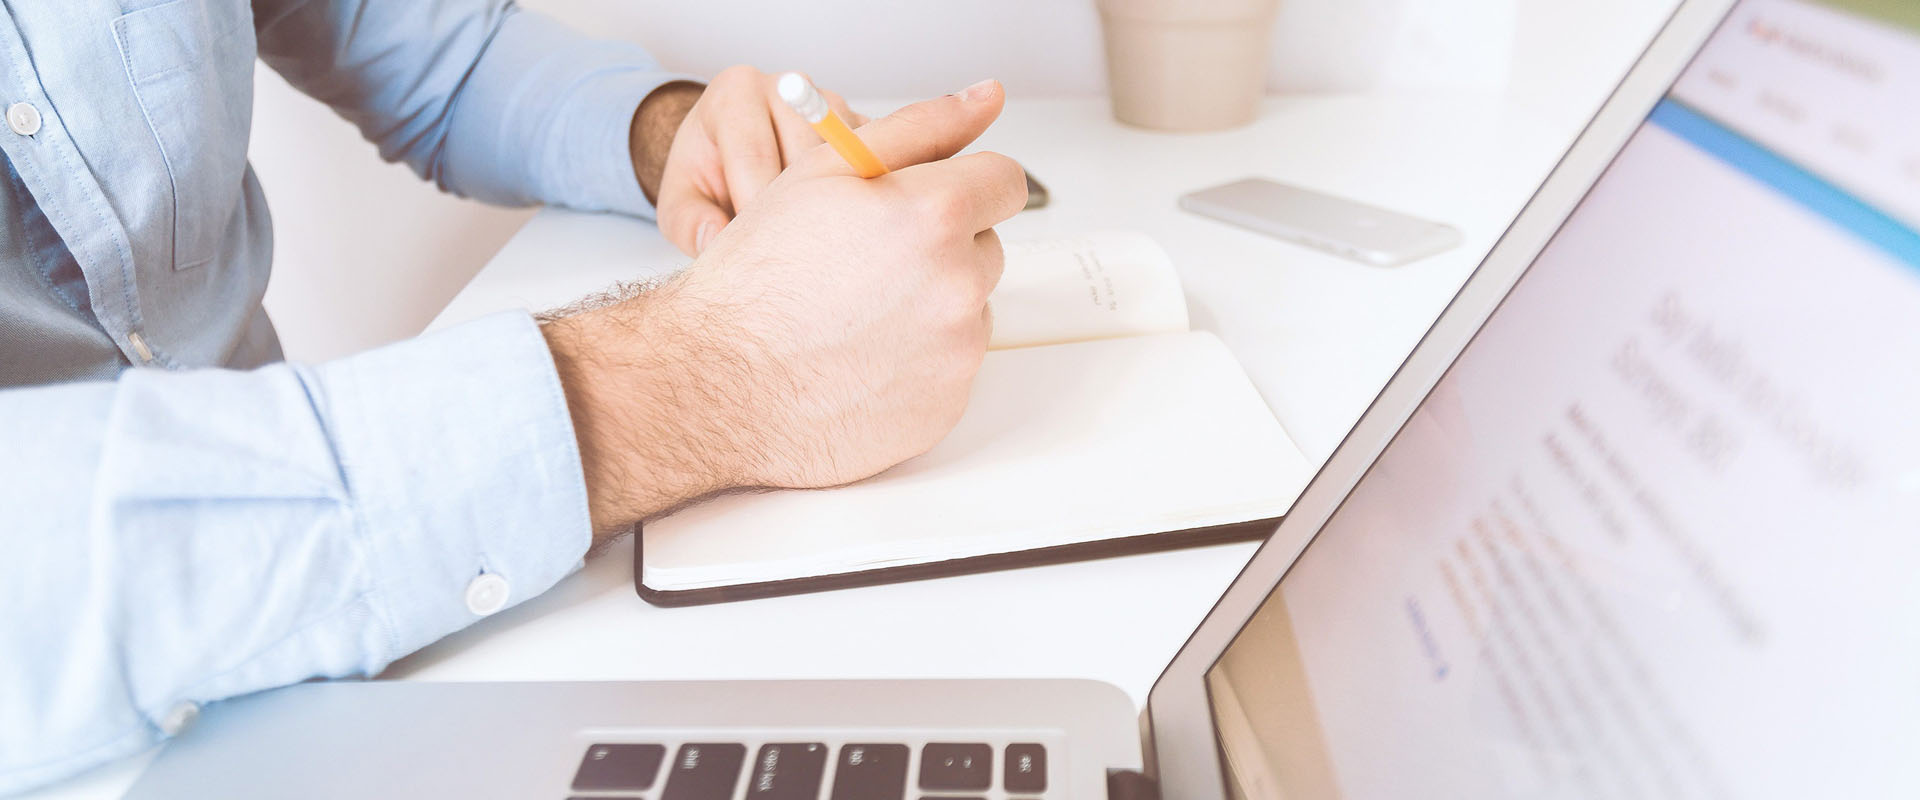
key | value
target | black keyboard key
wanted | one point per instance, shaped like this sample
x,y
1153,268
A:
x,y
1026,769
619,766
871,772
956,766
787,772
704,772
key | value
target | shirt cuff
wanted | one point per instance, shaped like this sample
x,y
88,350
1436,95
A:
x,y
597,142
581,93
470,494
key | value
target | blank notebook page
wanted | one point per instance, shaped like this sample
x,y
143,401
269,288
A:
x,y
1059,445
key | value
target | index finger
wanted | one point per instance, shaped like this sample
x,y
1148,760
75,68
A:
x,y
749,149
974,192
926,131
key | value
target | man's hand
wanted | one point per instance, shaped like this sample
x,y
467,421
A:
x,y
832,331
703,156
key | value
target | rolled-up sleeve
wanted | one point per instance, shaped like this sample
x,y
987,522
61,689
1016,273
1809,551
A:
x,y
175,538
483,98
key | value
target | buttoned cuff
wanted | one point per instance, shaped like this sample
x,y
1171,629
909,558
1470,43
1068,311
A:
x,y
597,144
575,96
470,494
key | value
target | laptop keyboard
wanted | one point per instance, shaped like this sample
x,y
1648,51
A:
x,y
811,771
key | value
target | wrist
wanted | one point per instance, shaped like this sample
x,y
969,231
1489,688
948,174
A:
x,y
642,450
650,135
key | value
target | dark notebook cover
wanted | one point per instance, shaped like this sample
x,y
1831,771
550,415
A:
x,y
1082,551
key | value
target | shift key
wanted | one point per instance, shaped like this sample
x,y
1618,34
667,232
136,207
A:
x,y
790,771
704,772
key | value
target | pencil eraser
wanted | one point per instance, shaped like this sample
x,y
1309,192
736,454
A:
x,y
799,93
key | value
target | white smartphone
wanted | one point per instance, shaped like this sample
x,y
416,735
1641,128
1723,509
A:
x,y
1337,225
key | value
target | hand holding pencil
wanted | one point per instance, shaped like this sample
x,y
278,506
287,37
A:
x,y
704,153
741,133
830,330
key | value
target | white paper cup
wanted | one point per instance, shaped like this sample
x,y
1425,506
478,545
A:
x,y
1187,65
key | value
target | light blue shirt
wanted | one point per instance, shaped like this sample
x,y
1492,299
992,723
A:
x,y
183,518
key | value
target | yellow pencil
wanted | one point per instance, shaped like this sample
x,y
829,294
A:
x,y
807,102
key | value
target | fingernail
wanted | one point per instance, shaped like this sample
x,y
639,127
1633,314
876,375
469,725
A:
x,y
701,236
978,91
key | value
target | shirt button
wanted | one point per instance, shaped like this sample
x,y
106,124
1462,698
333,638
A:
x,y
179,717
140,347
487,594
23,118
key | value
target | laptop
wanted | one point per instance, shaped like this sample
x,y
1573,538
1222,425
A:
x,y
1637,518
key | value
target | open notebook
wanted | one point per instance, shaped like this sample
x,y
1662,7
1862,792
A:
x,y
1098,425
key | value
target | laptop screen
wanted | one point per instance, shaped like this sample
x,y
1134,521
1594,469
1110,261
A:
x,y
1656,532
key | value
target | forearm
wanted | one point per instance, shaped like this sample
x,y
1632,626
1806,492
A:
x,y
654,390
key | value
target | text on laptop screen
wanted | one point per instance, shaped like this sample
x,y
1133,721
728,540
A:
x,y
1656,533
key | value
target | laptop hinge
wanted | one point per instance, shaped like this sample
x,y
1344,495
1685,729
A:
x,y
1127,784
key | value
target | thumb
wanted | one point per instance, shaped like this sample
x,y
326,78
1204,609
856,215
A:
x,y
690,219
929,130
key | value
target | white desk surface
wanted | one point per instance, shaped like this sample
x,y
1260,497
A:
x,y
1319,335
